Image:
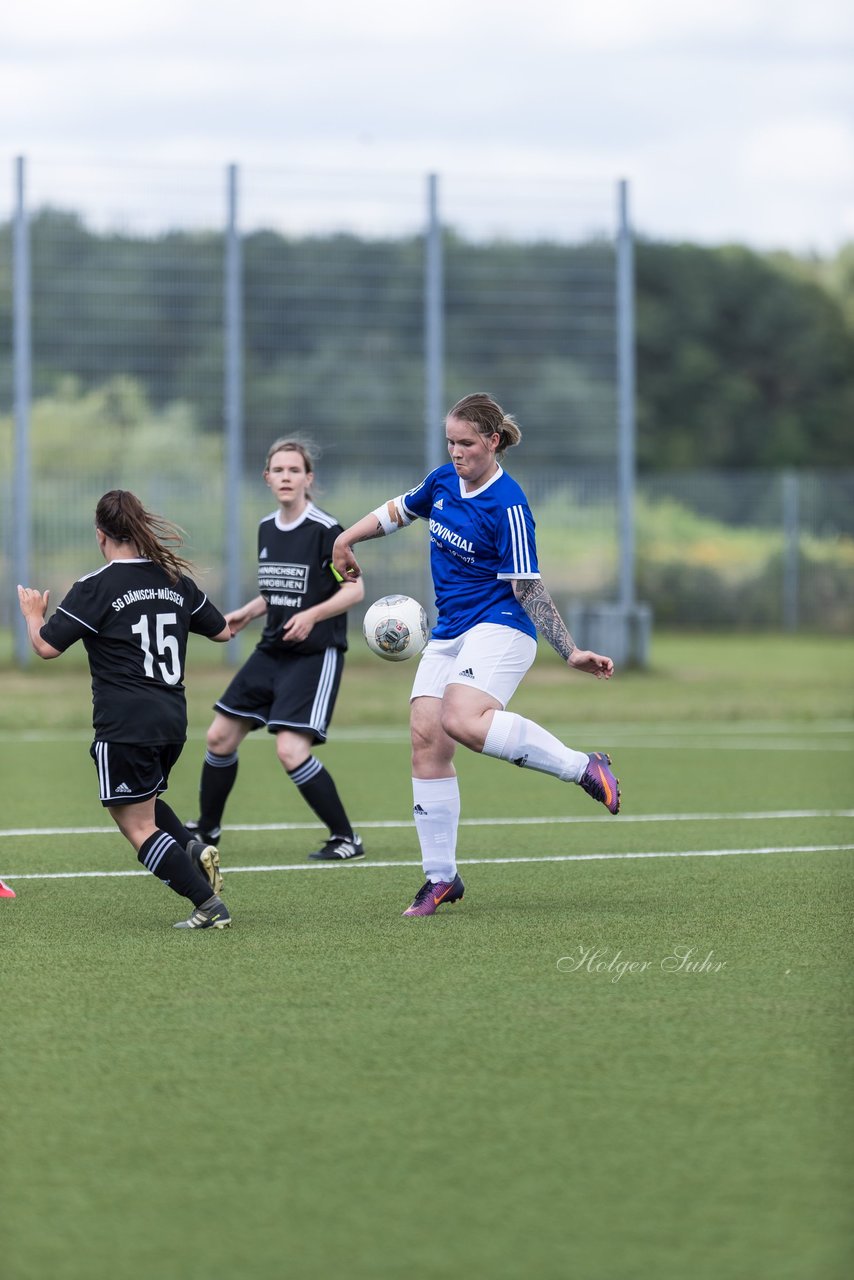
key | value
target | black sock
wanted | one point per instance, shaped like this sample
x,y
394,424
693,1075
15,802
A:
x,y
219,774
173,865
320,793
167,820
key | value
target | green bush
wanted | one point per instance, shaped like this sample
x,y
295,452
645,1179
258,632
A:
x,y
689,595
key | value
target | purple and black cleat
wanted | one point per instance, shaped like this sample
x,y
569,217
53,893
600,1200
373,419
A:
x,y
599,782
432,895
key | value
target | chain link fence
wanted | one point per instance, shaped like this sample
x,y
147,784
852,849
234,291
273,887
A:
x,y
144,369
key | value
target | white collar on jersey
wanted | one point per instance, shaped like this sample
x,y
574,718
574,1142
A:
x,y
475,493
286,528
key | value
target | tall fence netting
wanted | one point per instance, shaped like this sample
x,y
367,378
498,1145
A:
x,y
128,349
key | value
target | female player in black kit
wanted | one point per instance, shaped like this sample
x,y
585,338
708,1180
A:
x,y
290,681
134,616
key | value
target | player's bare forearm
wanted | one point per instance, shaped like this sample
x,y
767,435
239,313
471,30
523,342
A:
x,y
348,594
237,619
300,625
542,610
343,560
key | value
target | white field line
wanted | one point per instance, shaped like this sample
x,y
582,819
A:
x,y
466,862
762,815
748,735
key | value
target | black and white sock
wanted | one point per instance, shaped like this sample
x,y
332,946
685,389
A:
x,y
320,794
167,820
165,859
219,774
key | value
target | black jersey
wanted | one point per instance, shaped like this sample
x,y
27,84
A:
x,y
295,572
134,624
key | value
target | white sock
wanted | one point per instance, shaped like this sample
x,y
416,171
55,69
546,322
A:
x,y
522,742
436,811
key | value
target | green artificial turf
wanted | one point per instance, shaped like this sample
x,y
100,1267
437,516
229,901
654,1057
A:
x,y
599,1064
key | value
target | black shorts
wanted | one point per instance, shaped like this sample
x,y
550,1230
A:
x,y
295,691
129,774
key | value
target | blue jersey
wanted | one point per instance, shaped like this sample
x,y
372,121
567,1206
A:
x,y
479,541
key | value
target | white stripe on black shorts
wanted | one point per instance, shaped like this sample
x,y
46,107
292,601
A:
x,y
286,691
129,774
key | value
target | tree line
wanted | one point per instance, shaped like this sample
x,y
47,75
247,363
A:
x,y
743,359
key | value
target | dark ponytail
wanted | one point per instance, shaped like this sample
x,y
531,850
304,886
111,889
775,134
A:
x,y
123,518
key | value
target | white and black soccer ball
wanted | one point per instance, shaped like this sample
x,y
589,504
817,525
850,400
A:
x,y
395,628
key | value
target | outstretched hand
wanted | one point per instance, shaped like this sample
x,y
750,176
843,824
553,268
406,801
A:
x,y
237,619
33,603
344,562
595,663
34,607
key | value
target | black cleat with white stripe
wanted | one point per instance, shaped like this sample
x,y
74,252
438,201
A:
x,y
340,849
213,914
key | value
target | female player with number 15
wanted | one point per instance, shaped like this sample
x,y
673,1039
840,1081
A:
x,y
134,616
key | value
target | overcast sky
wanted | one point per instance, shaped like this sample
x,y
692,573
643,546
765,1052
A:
x,y
732,119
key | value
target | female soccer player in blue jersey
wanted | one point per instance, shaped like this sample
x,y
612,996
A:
x,y
491,602
133,616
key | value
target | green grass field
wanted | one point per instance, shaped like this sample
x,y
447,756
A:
x,y
624,1056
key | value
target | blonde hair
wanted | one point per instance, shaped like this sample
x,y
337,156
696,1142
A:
x,y
489,418
122,517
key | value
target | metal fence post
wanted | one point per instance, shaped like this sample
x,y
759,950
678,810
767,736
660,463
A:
x,y
626,399
22,375
791,549
434,306
434,344
233,403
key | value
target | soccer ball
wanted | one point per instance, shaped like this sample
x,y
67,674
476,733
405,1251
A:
x,y
395,628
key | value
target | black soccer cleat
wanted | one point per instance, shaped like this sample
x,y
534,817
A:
x,y
206,858
214,916
209,837
340,849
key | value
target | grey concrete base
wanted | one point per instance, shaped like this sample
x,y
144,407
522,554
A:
x,y
622,633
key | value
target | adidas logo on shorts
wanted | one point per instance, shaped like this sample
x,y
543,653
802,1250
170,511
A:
x,y
122,789
468,673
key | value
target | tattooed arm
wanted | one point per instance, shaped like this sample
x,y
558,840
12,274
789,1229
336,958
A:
x,y
542,610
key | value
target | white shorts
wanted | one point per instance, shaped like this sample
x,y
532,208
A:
x,y
490,657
